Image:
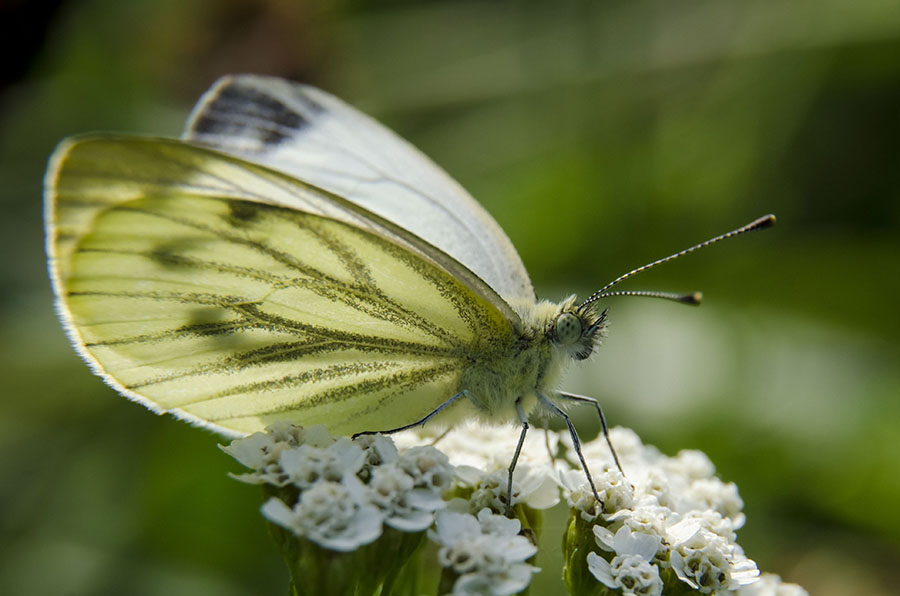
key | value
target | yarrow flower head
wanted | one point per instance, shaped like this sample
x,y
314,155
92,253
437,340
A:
x,y
668,518
630,570
351,516
261,452
340,492
485,447
408,489
532,487
480,453
483,555
338,503
334,515
614,490
706,561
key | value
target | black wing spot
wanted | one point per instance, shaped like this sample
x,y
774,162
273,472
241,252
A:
x,y
171,254
208,322
242,211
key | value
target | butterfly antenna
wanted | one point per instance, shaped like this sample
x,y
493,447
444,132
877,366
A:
x,y
694,298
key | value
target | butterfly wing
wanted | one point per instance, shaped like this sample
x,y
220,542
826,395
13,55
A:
x,y
316,137
188,290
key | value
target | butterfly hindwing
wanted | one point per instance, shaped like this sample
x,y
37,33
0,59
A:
x,y
232,312
105,170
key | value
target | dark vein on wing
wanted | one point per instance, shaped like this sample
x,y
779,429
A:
x,y
281,353
399,381
370,299
255,319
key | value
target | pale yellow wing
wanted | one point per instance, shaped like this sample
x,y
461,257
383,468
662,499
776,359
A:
x,y
188,292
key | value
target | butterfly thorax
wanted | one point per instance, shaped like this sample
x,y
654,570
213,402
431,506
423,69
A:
x,y
531,360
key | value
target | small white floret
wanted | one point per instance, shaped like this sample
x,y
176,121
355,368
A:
x,y
631,568
710,563
261,452
331,514
535,488
306,465
486,552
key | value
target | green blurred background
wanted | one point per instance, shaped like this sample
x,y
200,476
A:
x,y
601,135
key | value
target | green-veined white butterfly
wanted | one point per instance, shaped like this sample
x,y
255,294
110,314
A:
x,y
291,258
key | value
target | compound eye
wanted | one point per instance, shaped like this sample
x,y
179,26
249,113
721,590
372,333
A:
x,y
568,328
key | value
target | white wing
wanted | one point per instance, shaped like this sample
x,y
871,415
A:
x,y
317,138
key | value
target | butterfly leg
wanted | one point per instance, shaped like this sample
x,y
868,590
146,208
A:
x,y
603,426
512,465
440,436
420,422
547,440
576,442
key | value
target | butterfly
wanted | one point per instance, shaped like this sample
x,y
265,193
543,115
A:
x,y
289,258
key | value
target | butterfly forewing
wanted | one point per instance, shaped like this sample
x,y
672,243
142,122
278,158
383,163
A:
x,y
235,313
318,138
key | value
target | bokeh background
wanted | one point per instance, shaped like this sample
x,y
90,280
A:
x,y
601,135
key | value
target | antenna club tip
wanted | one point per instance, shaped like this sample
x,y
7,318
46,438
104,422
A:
x,y
696,298
766,221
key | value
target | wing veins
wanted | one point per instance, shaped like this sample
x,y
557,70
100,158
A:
x,y
284,351
271,322
338,290
344,392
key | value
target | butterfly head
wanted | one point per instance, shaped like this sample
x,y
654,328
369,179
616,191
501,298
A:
x,y
578,330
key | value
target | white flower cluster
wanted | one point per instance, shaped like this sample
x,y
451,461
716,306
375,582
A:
x,y
669,513
630,570
485,552
486,447
347,489
667,521
481,453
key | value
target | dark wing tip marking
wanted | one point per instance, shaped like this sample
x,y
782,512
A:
x,y
240,109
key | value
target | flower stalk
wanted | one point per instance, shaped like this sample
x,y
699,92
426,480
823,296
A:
x,y
315,570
